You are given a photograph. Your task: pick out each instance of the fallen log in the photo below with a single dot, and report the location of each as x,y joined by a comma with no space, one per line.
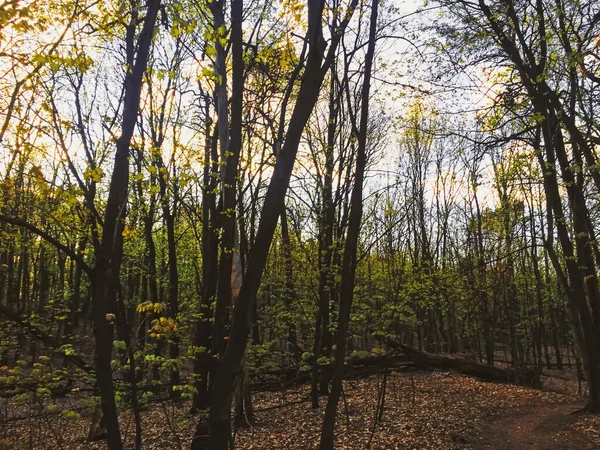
277,379
373,364
379,360
522,376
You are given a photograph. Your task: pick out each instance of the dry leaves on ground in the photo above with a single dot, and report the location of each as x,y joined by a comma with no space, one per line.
423,410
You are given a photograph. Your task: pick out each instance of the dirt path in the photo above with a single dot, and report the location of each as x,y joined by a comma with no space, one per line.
539,427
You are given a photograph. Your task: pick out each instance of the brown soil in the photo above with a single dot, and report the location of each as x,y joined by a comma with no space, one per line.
547,427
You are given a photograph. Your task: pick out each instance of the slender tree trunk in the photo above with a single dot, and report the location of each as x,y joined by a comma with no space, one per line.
326,279
169,218
351,245
290,290
104,302
202,332
229,167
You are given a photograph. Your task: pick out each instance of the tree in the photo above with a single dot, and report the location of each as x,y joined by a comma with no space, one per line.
317,65
105,279
351,244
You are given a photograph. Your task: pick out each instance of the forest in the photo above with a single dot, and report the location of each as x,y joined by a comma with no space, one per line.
289,224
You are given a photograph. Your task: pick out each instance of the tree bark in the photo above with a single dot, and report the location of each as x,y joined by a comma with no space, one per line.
202,333
351,245
104,304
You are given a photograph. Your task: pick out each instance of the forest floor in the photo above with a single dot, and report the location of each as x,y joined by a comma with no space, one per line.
423,410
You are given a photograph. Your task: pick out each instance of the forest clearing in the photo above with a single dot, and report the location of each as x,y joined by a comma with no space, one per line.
299,224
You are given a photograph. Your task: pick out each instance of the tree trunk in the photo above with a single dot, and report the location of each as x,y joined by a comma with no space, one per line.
290,290
351,245
104,304
202,360
326,280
